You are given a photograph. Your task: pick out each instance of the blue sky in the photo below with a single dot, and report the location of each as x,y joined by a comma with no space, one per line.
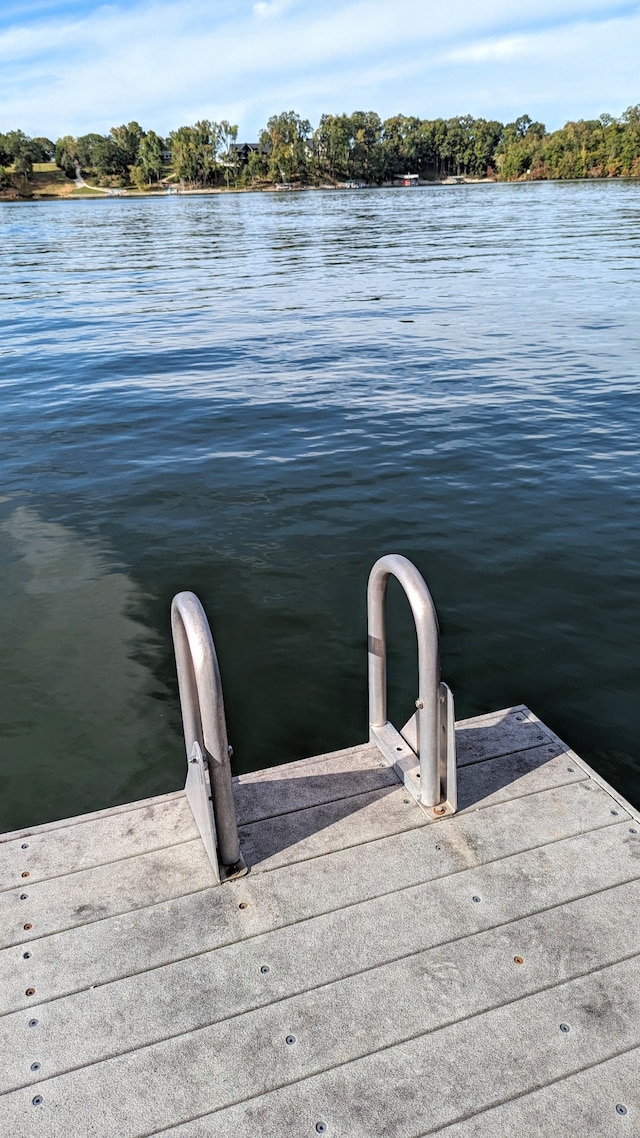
71,67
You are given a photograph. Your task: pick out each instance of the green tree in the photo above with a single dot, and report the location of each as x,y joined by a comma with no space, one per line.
194,152
332,146
108,157
43,150
150,156
366,158
128,139
287,141
228,134
66,155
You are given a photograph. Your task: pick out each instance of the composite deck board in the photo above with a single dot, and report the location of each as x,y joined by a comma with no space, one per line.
392,945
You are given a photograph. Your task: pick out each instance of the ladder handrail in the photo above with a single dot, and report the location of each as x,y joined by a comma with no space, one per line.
203,716
428,713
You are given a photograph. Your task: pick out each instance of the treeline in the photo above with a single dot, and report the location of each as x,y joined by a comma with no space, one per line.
358,147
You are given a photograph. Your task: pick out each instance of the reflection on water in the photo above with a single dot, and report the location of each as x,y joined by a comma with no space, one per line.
77,684
254,396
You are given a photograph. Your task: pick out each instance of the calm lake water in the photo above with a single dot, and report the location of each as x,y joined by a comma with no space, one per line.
254,396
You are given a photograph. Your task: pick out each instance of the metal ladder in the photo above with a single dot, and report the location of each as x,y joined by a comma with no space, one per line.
422,753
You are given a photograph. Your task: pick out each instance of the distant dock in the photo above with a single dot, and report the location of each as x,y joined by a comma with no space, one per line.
380,971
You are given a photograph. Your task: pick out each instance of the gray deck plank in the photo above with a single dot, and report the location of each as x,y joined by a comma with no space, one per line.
582,1105
102,950
311,782
115,887
352,1039
392,943
499,733
101,1022
97,841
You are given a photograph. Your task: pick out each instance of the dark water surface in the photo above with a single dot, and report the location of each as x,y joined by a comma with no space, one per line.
254,396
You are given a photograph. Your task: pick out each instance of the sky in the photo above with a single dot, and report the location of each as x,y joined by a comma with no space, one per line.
69,67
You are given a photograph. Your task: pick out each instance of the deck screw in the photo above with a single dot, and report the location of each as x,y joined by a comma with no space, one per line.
290,1040
30,992
23,896
419,704
406,801
565,1028
439,810
476,899
243,905
33,1023
438,847
570,770
26,955
620,1109
265,968
25,873
615,813
35,1066
24,846
230,750
27,926
37,1100
632,831
321,1127
518,960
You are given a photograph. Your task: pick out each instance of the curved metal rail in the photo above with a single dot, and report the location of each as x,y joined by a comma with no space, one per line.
423,752
208,784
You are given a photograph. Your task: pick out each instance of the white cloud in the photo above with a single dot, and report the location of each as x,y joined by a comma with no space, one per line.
264,10
490,51
166,64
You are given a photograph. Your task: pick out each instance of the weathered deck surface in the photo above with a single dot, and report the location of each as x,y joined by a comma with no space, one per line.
375,974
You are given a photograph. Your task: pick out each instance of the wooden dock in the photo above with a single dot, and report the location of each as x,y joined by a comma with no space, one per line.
376,973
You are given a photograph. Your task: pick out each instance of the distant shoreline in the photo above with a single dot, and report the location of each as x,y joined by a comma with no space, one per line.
99,194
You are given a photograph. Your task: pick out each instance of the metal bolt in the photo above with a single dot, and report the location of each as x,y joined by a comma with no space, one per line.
321,1127
35,1066
36,1100
398,748
632,831
438,847
27,926
518,960
24,846
243,905
406,801
26,955
290,1040
476,899
620,1109
25,873
565,1028
439,810
419,704
230,750
30,992
615,813
265,968
23,896
570,770
33,1023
